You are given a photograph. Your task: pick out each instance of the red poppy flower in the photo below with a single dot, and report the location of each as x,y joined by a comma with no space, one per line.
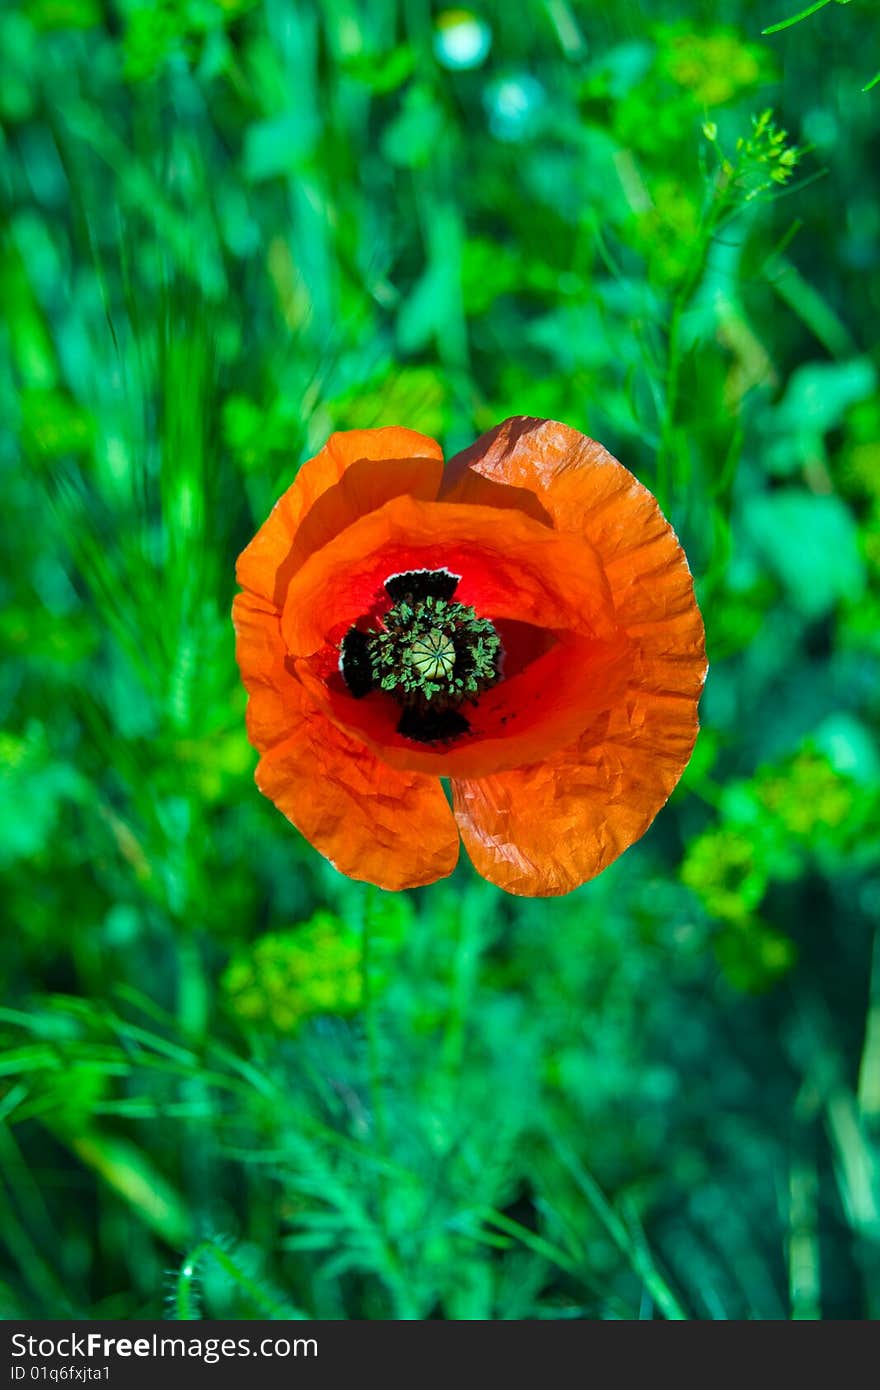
521,622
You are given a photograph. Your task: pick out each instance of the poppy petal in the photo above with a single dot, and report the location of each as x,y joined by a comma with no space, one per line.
322,500
365,508
272,711
588,492
468,486
373,823
545,828
389,827
521,570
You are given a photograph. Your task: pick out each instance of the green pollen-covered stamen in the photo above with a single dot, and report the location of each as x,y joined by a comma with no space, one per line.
434,652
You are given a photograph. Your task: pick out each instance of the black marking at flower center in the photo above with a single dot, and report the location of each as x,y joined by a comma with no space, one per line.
432,725
421,584
354,662
431,654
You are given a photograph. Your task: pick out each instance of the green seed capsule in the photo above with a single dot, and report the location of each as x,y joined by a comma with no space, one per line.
433,655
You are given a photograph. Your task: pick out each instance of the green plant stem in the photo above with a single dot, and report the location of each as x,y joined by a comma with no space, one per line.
464,967
796,18
395,1278
371,1027
629,1239
667,473
185,1299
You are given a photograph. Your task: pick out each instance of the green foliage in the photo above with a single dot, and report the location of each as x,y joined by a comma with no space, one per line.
805,14
235,1278
230,228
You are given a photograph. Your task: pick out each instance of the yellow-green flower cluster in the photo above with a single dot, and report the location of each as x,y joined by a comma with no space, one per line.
726,870
800,807
690,75
714,67
723,870
762,158
287,976
806,795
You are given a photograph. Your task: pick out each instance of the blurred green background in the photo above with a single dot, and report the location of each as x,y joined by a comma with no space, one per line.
231,226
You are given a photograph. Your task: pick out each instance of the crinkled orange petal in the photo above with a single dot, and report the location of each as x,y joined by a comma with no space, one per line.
466,486
547,827
516,721
521,570
515,568
274,707
356,471
372,821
